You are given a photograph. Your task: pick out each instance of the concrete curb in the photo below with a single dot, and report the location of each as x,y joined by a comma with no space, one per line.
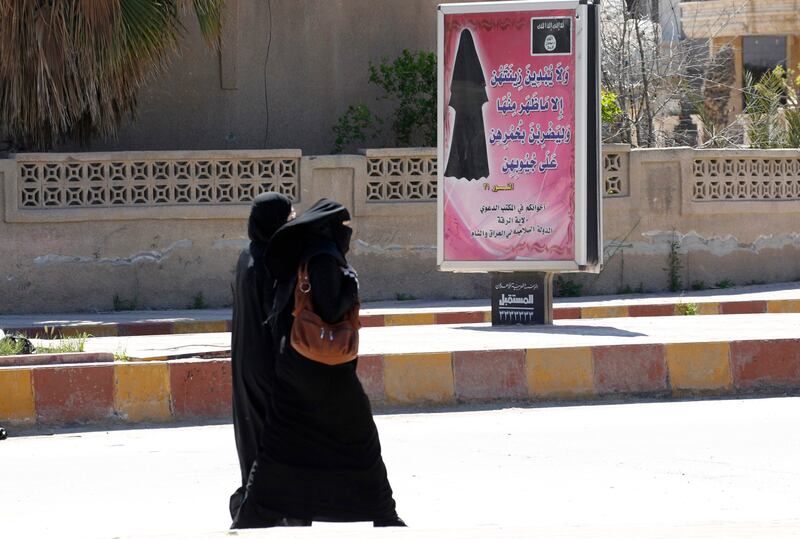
163,391
428,317
53,359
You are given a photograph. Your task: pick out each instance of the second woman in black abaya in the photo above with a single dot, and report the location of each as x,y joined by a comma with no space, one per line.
252,355
320,456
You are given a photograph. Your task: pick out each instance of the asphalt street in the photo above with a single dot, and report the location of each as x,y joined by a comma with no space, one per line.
577,471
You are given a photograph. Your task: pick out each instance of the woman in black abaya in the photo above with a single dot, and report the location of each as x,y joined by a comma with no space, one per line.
320,456
252,353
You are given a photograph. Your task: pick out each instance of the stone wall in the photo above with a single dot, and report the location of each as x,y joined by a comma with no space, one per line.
157,229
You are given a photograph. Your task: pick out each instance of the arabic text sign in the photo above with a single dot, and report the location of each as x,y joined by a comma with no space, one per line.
520,298
508,136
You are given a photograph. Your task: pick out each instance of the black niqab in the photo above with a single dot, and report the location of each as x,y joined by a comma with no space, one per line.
322,223
468,157
267,214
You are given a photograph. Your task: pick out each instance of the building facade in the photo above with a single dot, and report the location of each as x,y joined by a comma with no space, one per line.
762,33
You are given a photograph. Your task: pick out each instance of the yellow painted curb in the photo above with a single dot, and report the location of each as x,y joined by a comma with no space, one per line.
707,308
99,330
197,326
783,306
699,366
620,311
487,316
418,378
16,396
142,392
559,372
410,319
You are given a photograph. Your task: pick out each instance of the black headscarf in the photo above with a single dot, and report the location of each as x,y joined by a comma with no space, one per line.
268,213
321,224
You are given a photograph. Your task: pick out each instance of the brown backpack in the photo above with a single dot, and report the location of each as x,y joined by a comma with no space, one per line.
315,339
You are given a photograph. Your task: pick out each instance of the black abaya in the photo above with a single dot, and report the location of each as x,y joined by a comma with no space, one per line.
252,352
320,455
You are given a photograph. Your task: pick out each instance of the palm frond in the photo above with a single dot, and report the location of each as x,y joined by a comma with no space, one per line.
74,67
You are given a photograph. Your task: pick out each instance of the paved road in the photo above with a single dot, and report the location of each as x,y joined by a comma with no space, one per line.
583,471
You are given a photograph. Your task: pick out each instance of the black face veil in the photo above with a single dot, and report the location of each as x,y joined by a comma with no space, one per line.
467,95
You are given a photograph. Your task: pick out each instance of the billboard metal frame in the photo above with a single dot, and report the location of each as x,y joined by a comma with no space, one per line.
587,258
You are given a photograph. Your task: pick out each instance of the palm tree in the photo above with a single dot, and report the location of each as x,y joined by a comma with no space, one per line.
72,68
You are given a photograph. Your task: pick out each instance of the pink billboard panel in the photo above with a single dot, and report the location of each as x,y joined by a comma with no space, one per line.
507,146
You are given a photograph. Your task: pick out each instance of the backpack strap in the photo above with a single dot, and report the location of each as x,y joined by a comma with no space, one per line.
302,290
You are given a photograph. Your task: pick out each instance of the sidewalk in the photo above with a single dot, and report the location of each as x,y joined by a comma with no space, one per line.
774,298
573,360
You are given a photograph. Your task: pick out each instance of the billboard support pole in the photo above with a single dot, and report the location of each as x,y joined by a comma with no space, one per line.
522,298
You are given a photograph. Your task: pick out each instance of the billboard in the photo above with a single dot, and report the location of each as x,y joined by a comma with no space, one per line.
518,151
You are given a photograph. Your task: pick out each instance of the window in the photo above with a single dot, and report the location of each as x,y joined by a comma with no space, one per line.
762,53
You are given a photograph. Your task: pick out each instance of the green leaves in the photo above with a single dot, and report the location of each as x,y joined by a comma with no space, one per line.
610,110
409,81
356,125
773,111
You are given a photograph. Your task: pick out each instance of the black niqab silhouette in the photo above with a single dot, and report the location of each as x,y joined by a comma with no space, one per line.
468,157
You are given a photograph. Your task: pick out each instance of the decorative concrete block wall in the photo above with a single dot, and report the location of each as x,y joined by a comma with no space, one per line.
158,229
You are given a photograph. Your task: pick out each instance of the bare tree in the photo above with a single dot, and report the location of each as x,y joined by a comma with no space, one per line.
653,78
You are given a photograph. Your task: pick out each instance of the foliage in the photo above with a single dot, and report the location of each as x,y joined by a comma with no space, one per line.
73,68
610,110
773,111
55,344
698,285
674,266
11,346
121,354
687,309
724,283
402,296
356,125
409,81
199,302
567,288
124,304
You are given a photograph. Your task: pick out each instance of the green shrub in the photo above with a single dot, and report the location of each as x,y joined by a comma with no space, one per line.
567,288
409,81
124,304
11,347
773,111
674,266
199,302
